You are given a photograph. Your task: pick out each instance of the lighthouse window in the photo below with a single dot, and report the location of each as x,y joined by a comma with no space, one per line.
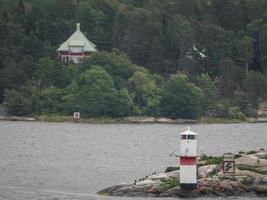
190,137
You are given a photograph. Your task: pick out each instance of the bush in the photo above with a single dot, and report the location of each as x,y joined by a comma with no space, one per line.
235,113
251,152
17,104
97,95
223,109
170,169
171,183
252,169
181,98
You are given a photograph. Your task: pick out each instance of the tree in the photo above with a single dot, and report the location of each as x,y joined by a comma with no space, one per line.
98,97
246,52
217,45
181,99
50,73
255,85
48,101
17,104
146,92
143,47
116,63
210,91
178,41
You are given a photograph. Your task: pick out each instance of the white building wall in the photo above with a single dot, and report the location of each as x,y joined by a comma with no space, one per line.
188,174
76,49
188,148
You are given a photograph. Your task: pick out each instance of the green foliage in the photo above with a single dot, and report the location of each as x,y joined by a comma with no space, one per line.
210,92
116,63
97,95
146,92
220,45
210,160
171,183
17,104
181,99
48,100
224,109
252,169
251,152
170,169
255,85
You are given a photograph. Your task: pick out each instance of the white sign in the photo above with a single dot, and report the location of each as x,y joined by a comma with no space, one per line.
228,167
76,115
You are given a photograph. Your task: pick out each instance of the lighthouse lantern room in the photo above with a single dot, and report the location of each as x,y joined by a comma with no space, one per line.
188,160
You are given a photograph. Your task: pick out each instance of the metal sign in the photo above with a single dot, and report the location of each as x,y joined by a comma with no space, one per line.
76,115
228,167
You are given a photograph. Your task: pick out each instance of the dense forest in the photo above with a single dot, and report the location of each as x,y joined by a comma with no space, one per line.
172,58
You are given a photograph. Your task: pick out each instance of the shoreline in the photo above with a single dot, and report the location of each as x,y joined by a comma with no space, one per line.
132,120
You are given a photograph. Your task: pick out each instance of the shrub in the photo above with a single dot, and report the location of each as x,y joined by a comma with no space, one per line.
181,98
251,152
171,183
170,169
17,104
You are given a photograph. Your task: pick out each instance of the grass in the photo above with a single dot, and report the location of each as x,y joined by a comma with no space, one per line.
170,169
103,193
210,160
171,183
251,152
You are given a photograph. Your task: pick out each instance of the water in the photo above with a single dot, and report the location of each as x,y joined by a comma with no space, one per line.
63,161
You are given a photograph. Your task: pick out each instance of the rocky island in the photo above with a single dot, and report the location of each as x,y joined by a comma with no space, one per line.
249,179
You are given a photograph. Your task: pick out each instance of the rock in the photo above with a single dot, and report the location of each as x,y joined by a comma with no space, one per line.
140,119
261,154
173,192
174,174
165,176
146,182
157,189
264,180
205,190
186,121
247,160
166,194
204,171
260,190
158,177
165,120
225,185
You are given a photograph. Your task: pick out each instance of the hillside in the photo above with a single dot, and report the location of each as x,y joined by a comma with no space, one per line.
171,58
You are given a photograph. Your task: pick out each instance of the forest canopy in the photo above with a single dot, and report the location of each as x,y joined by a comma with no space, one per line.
173,58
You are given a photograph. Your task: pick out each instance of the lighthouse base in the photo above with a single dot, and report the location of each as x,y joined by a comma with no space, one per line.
188,186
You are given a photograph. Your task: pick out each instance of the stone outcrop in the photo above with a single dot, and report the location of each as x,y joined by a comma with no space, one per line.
250,179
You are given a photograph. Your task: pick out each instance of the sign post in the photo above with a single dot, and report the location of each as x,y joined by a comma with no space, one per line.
229,164
76,116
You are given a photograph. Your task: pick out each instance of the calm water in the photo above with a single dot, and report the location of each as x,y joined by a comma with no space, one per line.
73,161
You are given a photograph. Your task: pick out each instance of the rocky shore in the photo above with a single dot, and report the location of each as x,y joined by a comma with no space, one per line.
250,179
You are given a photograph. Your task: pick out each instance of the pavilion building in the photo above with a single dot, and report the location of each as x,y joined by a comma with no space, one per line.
76,48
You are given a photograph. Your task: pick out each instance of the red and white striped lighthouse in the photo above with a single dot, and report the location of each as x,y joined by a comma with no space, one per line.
188,160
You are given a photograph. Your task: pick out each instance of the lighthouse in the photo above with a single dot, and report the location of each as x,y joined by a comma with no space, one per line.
188,160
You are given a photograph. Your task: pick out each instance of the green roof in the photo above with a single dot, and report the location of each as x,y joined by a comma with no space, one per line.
78,39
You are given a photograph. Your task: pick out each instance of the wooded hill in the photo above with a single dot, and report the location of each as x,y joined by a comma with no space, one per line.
174,58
